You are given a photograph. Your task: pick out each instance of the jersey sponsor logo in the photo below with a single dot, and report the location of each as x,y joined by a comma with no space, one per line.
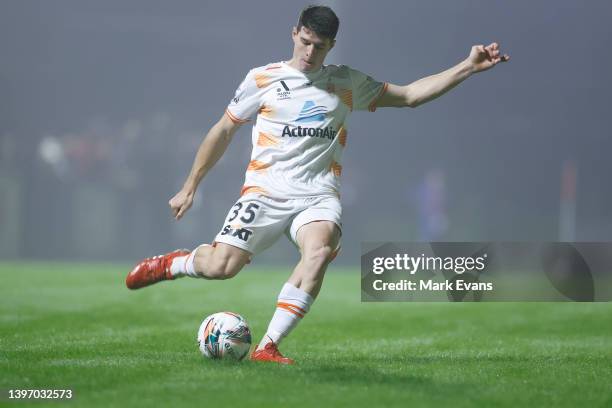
324,133
240,233
311,113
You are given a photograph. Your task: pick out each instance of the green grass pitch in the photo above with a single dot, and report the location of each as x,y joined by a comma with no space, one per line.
76,326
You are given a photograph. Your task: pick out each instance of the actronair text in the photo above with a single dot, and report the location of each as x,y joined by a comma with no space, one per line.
326,133
413,264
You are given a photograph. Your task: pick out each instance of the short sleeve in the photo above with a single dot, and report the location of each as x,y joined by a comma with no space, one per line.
366,90
246,101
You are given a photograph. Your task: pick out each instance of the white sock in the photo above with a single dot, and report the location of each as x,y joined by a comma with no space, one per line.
293,304
183,265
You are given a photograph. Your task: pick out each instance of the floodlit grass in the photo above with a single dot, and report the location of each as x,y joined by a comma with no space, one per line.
76,326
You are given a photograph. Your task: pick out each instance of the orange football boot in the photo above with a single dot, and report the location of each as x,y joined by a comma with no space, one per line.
153,270
271,354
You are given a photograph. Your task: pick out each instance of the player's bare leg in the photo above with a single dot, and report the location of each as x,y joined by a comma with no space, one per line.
223,261
317,242
220,262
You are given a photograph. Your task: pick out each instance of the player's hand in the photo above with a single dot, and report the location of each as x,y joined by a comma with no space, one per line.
180,203
482,58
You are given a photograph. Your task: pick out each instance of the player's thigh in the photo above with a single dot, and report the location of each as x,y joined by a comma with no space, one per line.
318,225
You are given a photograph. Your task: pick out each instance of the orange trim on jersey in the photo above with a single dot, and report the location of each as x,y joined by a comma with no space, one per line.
335,168
296,310
252,189
274,67
346,96
372,106
342,136
262,80
266,140
266,111
256,165
234,118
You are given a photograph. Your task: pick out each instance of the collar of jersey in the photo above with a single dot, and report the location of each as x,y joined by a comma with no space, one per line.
309,75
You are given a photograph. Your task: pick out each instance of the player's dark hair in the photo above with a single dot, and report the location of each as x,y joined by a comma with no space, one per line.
320,19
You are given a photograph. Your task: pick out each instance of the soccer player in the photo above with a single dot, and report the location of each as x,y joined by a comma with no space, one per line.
292,181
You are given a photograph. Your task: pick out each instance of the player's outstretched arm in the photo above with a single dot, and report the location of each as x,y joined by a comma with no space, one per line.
211,149
426,89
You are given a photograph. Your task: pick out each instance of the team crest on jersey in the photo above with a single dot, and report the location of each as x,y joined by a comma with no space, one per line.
311,113
283,93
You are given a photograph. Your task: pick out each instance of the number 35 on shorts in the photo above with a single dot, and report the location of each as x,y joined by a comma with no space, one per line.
240,216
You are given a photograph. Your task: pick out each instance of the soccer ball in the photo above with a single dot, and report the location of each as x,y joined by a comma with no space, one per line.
224,335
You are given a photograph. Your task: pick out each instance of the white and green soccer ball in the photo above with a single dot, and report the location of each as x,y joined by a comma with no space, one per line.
224,335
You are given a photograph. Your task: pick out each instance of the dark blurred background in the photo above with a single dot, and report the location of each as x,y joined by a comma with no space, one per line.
103,105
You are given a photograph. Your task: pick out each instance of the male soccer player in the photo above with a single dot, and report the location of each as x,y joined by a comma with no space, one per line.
292,181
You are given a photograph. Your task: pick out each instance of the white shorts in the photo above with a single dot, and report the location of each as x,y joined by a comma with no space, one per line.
256,222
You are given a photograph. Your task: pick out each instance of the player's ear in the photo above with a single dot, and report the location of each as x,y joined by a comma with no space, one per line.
294,32
331,45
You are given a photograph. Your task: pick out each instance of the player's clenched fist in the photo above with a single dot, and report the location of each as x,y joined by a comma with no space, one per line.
483,58
180,203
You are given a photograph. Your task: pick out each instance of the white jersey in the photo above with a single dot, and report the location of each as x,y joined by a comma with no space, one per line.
301,126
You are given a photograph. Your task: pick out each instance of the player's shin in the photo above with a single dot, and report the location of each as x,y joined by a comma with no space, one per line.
293,303
184,265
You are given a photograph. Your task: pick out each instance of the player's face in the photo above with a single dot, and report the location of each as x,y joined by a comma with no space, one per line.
309,50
